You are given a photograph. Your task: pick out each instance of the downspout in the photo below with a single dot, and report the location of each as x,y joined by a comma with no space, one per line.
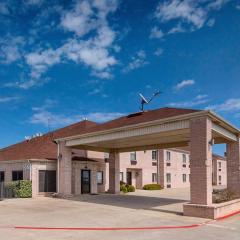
158,170
30,170
58,159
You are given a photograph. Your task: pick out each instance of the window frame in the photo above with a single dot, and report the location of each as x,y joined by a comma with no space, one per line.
154,177
168,156
102,177
168,180
135,156
17,172
154,155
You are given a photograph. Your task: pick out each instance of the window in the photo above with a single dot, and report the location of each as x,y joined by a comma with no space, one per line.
154,177
106,156
133,156
168,156
47,180
219,164
154,164
100,177
168,177
220,179
184,158
184,176
2,176
154,155
17,175
121,176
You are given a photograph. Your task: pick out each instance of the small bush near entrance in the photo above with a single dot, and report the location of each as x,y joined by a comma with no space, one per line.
130,188
20,189
152,187
125,188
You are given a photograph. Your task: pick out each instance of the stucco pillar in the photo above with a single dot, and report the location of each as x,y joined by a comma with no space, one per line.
233,167
201,161
114,172
65,169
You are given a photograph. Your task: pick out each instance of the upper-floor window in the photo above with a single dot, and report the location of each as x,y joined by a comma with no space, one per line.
184,158
133,156
154,155
219,164
106,155
168,156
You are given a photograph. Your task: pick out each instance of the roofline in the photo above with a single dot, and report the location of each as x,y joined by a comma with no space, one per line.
200,113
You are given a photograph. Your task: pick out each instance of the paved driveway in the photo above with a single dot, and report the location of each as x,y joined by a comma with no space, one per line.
141,209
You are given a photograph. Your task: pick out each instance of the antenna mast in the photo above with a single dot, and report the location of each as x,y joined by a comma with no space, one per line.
145,101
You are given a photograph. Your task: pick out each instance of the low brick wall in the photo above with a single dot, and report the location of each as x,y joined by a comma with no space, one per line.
213,211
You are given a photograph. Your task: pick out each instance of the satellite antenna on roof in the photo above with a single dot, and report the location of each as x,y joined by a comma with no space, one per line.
145,101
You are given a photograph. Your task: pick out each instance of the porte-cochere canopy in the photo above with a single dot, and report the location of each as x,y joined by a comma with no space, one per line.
163,128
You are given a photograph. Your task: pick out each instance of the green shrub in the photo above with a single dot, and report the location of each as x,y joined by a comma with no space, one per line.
25,189
123,189
152,187
223,195
130,188
20,189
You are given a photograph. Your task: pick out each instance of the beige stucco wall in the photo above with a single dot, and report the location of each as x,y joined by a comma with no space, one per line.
176,168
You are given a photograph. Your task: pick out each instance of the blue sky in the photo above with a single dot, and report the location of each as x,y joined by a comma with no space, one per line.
62,61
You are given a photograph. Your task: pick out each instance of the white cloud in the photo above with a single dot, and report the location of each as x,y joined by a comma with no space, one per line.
47,118
184,83
238,7
211,22
232,104
158,52
217,4
94,51
198,100
201,96
177,29
11,49
8,99
156,33
186,10
136,62
79,19
193,14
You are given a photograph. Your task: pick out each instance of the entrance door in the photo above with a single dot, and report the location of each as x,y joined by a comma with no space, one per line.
129,178
85,181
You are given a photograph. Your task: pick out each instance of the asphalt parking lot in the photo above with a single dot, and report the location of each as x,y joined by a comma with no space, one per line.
74,218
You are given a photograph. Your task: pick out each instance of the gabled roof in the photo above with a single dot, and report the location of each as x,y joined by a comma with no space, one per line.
42,147
140,117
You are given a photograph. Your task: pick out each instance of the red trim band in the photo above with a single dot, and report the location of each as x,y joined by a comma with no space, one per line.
108,229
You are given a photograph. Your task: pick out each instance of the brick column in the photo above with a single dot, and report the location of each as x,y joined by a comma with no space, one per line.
233,167
201,161
65,169
161,168
114,172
